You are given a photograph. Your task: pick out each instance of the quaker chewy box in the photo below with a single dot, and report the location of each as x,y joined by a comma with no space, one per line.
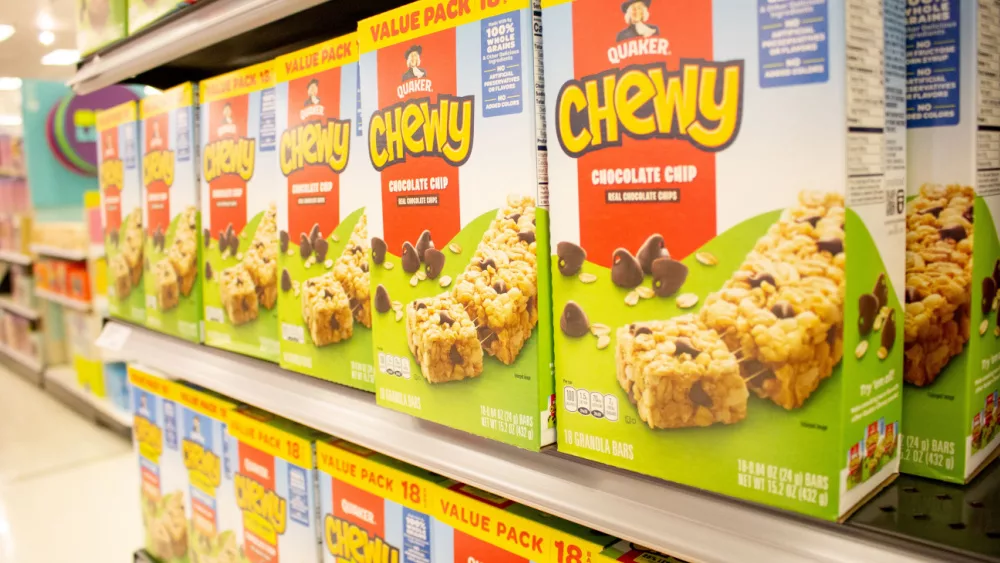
706,179
166,505
459,232
169,142
474,525
952,252
121,209
209,458
239,210
324,307
99,22
275,487
374,508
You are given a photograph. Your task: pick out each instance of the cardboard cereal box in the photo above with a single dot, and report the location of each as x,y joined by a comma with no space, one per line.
623,550
120,179
459,229
952,252
169,142
99,22
275,485
166,504
706,178
373,508
324,308
209,457
239,173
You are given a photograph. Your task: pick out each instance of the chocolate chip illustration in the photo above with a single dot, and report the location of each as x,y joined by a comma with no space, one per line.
486,335
996,273
532,303
762,278
320,247
625,269
832,245
286,281
207,236
378,250
420,305
434,262
526,236
935,211
208,270
334,323
683,346
410,260
698,396
364,267
382,302
650,250
968,213
881,291
955,233
455,356
487,263
783,310
283,241
514,217
867,311
314,234
445,319
574,322
668,276
570,257
637,330
912,295
327,294
500,287
811,220
423,243
305,247
989,293
889,330
223,241
229,230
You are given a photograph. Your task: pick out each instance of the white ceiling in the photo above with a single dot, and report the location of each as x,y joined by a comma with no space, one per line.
21,54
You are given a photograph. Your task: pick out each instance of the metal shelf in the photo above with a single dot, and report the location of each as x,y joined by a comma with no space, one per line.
12,257
674,519
62,253
18,309
62,299
61,381
26,366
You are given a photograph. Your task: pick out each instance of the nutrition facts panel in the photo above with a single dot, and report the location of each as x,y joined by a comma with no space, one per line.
865,102
988,67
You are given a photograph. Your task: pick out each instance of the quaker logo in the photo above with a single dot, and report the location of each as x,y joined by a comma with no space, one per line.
415,78
636,21
156,140
640,37
227,127
312,108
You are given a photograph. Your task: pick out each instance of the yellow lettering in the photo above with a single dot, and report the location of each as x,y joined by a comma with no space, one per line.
315,143
150,438
229,156
158,166
421,128
203,465
112,173
347,541
648,101
253,498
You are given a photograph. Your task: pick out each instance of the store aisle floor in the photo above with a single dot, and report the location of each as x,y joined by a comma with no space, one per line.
69,489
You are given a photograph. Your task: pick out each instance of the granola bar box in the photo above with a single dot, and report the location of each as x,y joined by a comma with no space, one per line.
374,508
120,179
275,487
163,477
952,333
324,309
239,209
727,238
458,217
209,458
168,140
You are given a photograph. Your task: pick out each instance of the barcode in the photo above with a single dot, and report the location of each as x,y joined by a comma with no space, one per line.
895,202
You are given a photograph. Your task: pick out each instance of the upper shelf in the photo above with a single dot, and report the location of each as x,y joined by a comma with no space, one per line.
217,36
673,519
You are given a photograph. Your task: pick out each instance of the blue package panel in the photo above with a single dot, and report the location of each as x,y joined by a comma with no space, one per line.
793,40
932,63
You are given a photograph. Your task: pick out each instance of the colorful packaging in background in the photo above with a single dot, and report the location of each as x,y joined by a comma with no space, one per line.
275,487
171,214
116,384
144,12
239,172
952,250
209,458
372,500
324,309
627,551
459,229
120,180
166,505
699,277
99,22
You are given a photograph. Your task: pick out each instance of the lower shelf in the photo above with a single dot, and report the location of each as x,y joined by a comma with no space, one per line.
62,381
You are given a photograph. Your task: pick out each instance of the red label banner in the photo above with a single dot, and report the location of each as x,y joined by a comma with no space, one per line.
157,172
469,549
110,189
227,121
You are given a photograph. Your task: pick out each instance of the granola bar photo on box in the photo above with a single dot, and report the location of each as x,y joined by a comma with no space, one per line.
952,334
727,243
324,304
120,179
239,240
458,219
169,146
